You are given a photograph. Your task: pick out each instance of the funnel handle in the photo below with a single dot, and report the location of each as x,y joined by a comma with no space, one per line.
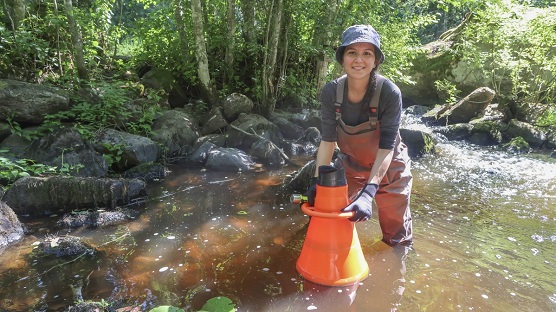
309,210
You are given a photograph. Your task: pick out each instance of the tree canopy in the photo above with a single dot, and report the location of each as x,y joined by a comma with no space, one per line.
274,51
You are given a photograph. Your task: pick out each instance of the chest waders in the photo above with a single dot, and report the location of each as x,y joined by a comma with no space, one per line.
358,149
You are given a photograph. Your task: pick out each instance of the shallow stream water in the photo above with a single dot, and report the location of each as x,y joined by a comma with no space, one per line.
484,231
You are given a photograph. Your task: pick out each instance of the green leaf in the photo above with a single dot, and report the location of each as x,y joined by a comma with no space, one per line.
219,304
166,309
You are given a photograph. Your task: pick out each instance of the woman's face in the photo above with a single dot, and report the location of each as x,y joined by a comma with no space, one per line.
359,60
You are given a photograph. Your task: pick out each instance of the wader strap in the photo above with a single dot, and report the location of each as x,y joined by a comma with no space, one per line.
373,107
340,96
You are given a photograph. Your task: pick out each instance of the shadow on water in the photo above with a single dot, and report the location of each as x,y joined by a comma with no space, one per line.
484,226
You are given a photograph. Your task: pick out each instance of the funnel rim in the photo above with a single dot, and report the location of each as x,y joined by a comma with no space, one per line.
328,215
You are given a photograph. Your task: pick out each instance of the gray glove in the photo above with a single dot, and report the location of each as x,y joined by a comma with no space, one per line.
362,205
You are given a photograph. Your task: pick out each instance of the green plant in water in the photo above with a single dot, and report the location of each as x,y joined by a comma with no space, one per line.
216,304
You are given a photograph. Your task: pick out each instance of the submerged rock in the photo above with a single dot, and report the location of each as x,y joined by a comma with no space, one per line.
96,218
64,246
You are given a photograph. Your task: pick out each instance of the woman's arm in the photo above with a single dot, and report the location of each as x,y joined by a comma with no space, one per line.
380,166
324,154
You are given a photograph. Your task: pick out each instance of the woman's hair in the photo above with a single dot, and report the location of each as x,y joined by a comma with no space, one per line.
372,81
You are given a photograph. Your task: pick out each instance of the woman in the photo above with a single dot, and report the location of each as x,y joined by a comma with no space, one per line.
361,112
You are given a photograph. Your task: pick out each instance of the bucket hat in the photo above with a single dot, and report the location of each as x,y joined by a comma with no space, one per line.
359,33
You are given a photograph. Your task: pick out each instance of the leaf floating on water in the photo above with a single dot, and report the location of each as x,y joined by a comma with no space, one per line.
167,309
219,304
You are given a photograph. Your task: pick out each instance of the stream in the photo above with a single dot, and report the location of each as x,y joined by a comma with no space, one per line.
484,240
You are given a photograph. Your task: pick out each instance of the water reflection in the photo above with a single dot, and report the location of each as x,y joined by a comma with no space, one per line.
485,234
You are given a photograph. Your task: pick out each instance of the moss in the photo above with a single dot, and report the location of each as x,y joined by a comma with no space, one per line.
517,145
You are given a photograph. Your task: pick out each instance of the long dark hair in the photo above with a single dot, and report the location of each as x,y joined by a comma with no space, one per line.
372,81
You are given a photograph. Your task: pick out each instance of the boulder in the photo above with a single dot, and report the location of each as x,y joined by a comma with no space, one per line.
229,159
65,149
176,131
236,104
135,149
11,229
248,129
535,136
29,102
45,195
464,110
214,121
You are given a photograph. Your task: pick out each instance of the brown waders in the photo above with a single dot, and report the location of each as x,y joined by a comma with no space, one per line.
358,148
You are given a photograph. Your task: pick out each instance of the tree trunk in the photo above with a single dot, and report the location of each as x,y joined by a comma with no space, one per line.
248,10
249,63
268,100
14,13
180,24
230,42
323,41
201,53
77,42
58,52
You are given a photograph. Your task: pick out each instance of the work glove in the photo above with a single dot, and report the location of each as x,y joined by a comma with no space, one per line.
312,191
362,205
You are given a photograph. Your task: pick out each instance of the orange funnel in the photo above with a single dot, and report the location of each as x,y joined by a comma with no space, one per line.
331,254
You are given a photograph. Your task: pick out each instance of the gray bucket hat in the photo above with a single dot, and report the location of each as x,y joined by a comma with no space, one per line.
359,33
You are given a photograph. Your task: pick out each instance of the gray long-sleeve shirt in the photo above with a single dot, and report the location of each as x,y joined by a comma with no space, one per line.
389,112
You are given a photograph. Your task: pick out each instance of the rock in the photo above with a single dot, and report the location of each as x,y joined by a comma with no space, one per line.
236,104
267,153
214,121
147,172
135,149
201,154
11,229
289,129
30,103
65,149
43,196
96,218
64,246
418,142
176,131
229,159
464,110
248,129
531,134
307,118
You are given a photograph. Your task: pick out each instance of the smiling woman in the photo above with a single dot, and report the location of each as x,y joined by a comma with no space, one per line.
361,113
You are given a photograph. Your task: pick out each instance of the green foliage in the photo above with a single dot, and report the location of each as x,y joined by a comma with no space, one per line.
12,169
216,304
517,145
113,109
114,155
219,304
166,309
448,90
548,118
512,47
